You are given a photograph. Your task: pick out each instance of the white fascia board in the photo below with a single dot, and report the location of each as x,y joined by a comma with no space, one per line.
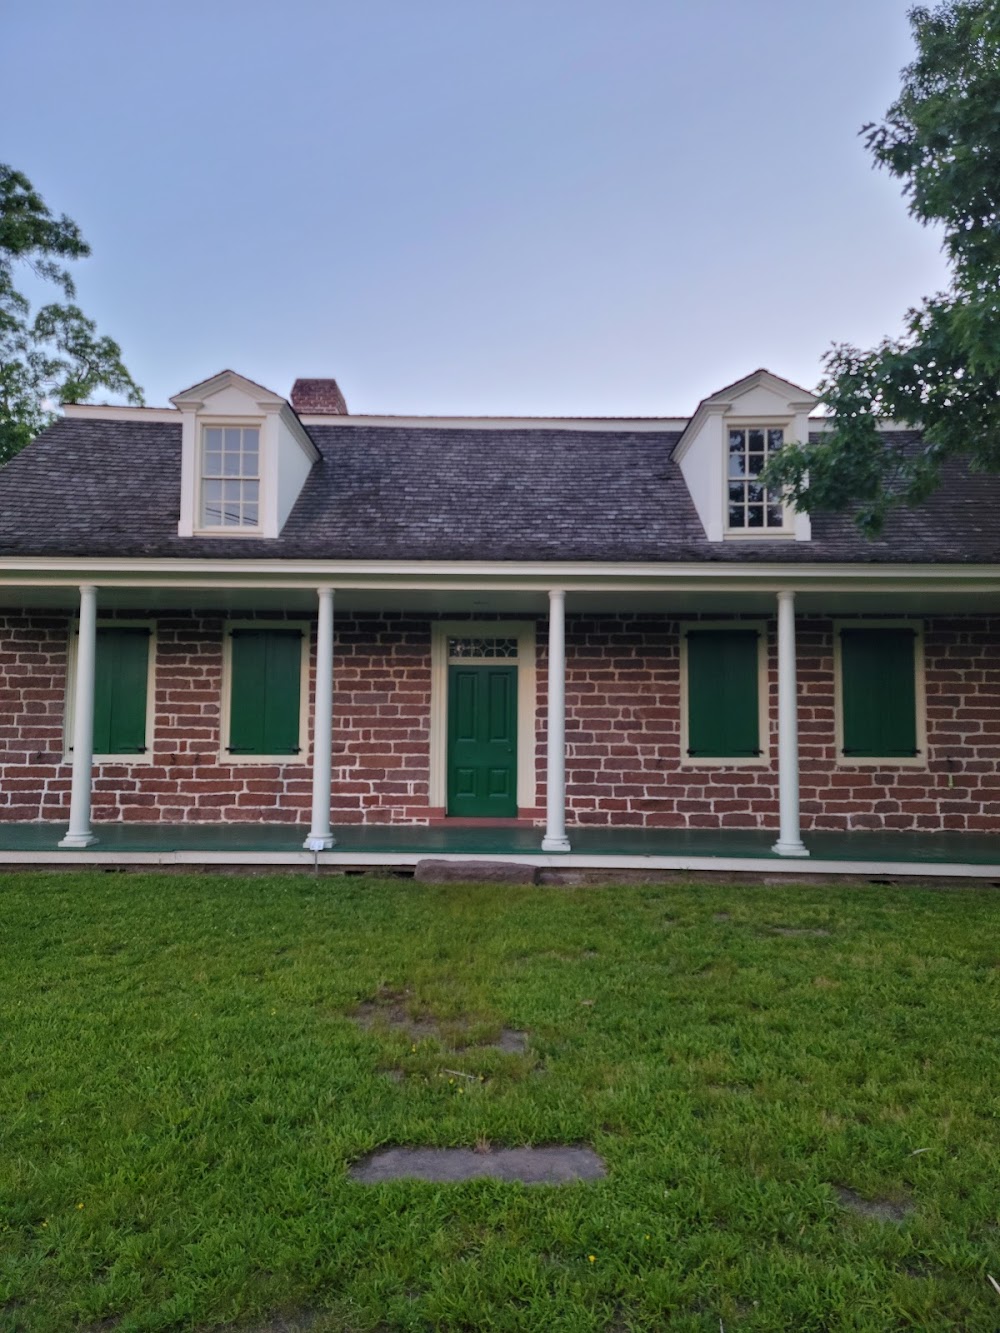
107,412
298,432
628,425
22,571
197,393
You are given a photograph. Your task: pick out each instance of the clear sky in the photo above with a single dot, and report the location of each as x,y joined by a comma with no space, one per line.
607,207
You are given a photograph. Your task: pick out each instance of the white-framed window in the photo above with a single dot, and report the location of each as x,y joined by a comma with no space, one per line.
229,477
724,720
751,508
265,692
124,691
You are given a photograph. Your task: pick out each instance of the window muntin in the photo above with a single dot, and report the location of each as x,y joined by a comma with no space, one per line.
230,477
751,506
481,646
723,694
878,693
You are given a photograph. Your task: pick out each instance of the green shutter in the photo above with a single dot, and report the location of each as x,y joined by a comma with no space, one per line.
879,693
121,673
264,691
723,700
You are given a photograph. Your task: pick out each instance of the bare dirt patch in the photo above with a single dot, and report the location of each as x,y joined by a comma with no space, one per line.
879,1210
556,1164
390,1009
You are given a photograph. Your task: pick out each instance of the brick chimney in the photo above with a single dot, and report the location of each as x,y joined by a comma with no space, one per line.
318,398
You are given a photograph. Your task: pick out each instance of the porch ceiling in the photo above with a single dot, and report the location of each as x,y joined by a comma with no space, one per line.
876,595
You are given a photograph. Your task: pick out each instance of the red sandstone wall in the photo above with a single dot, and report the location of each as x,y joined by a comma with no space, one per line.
623,733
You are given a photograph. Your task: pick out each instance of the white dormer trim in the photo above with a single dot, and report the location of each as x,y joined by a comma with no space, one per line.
761,399
286,451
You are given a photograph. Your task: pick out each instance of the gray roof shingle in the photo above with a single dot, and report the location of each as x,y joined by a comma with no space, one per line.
88,487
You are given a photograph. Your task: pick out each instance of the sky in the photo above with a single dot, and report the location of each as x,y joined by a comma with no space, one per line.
526,207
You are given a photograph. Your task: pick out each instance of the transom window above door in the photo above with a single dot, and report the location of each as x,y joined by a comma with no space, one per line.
462,649
752,507
230,477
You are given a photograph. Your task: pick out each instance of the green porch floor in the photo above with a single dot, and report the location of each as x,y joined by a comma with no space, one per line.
375,839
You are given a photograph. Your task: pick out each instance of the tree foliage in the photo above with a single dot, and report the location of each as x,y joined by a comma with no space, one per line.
941,139
52,354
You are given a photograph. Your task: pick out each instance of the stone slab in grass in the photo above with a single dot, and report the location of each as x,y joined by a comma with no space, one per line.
879,1210
552,1165
431,871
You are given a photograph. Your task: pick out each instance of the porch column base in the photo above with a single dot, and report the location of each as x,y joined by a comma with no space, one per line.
555,844
78,840
790,848
323,844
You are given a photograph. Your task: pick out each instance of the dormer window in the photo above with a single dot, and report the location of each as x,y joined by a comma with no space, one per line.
230,477
752,507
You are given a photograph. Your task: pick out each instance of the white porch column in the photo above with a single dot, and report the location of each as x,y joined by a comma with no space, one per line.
790,838
320,836
555,839
80,833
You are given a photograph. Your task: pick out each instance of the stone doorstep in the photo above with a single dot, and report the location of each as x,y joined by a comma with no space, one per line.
431,871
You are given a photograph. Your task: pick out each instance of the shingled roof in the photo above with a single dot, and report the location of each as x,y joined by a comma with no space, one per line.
93,487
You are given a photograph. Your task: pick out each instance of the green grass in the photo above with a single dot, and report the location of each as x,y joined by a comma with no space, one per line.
182,1090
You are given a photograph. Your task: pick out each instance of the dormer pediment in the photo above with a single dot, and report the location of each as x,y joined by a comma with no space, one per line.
718,449
245,457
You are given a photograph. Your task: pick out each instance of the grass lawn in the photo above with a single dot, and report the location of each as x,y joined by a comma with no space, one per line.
182,1089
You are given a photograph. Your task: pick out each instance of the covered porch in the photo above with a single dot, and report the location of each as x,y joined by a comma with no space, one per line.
557,821
864,853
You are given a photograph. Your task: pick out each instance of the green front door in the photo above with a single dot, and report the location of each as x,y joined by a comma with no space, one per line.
482,741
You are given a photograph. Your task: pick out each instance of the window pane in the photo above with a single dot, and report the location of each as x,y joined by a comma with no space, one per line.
736,494
251,437
232,465
250,489
213,439
775,439
755,440
736,516
735,441
250,463
755,516
233,434
755,465
737,465
775,516
250,515
213,464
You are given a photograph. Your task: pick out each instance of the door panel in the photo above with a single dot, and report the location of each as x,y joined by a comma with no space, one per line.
482,741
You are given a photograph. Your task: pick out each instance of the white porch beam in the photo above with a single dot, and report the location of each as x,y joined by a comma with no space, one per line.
80,834
790,836
555,839
320,835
